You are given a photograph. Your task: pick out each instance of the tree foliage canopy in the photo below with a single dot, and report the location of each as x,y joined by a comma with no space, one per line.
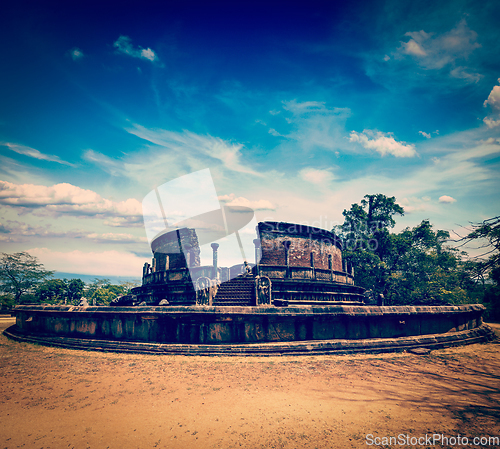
415,266
20,273
486,266
22,276
59,290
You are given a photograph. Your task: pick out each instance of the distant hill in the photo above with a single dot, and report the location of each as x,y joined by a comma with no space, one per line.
88,278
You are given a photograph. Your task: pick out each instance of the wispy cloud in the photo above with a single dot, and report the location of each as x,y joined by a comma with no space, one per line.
233,200
315,176
66,199
113,166
107,263
316,126
448,52
17,231
76,54
383,143
426,135
435,51
188,148
124,45
31,152
313,108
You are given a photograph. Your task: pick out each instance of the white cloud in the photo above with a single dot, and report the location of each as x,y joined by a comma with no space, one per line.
105,263
148,54
426,135
447,199
491,123
383,143
226,198
65,198
76,54
124,45
315,176
275,133
31,152
465,74
493,101
436,51
111,237
125,222
412,48
232,200
16,231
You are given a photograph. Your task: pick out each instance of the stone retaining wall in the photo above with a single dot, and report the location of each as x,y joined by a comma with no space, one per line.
225,325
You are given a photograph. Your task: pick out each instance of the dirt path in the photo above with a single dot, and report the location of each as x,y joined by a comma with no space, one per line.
58,398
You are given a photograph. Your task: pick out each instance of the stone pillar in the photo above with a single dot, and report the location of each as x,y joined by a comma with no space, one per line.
215,246
330,266
312,265
153,266
256,242
286,244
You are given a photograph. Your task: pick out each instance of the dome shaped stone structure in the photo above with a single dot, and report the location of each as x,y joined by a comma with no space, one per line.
301,264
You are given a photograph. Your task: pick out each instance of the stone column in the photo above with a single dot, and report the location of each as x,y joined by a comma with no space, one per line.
215,246
330,266
256,242
286,244
312,266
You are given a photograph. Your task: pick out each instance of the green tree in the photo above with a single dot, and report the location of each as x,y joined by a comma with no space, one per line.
485,267
51,291
74,290
424,270
367,241
102,292
415,266
20,273
366,225
129,285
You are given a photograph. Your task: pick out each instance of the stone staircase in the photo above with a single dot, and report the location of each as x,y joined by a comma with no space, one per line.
239,291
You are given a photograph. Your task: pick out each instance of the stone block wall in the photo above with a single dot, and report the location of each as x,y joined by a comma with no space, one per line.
176,249
306,246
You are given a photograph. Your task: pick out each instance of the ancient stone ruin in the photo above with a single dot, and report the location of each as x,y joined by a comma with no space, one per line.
294,264
298,297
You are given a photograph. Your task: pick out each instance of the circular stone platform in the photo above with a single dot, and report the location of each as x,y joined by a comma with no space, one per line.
264,330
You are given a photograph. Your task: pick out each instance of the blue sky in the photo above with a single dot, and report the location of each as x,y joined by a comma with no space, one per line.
299,109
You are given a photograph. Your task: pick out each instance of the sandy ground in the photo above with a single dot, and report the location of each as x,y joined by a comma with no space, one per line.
58,398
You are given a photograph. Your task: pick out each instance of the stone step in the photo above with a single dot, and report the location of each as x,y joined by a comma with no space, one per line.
237,291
